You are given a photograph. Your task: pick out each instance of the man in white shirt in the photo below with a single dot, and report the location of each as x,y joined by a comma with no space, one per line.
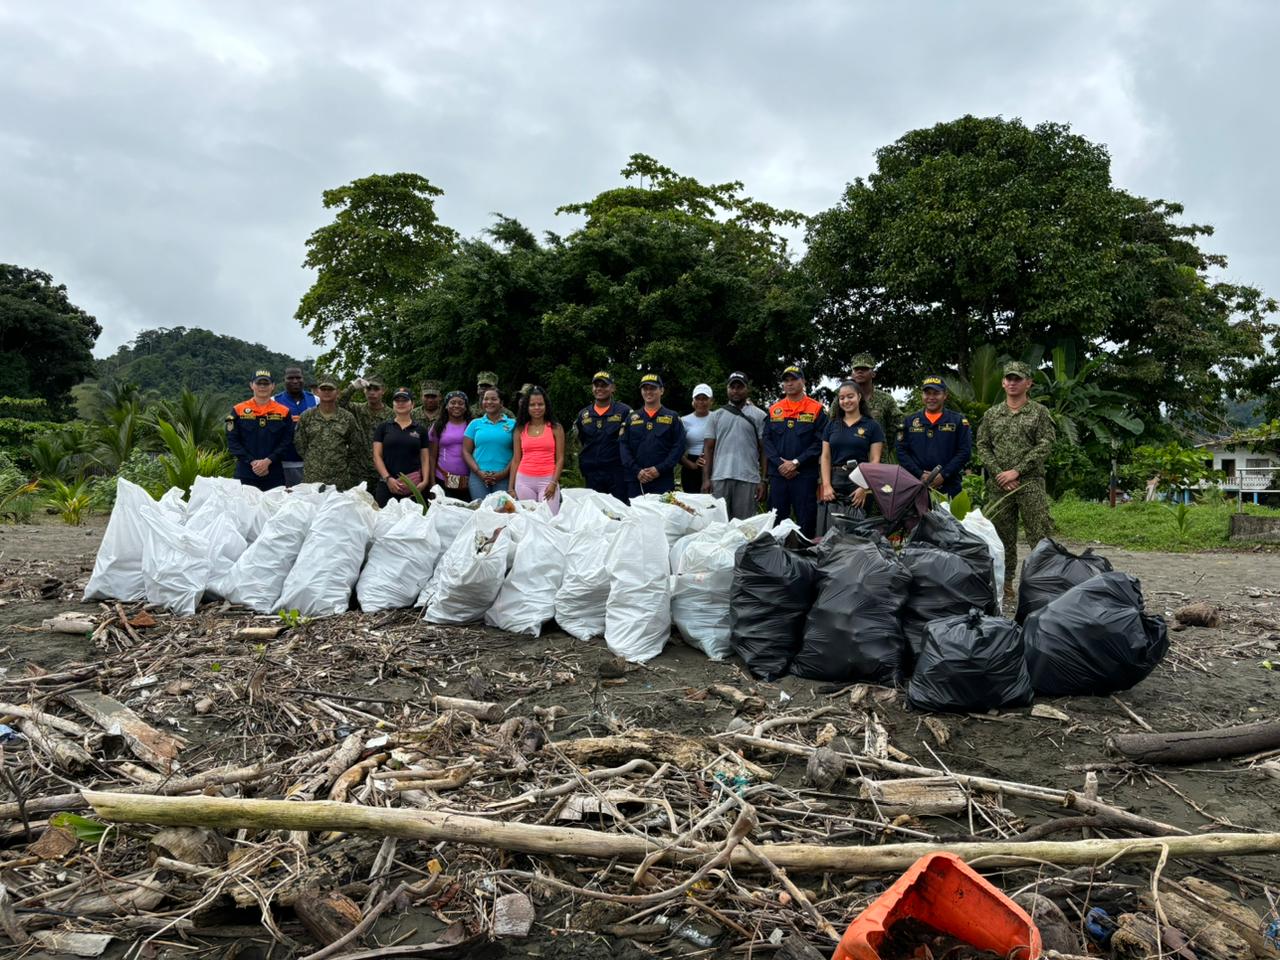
733,452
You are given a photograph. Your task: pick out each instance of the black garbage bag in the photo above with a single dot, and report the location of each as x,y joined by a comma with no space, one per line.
943,584
970,663
853,631
938,528
1051,571
1094,639
773,588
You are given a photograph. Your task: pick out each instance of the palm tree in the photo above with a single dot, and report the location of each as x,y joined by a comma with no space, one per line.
200,418
1080,407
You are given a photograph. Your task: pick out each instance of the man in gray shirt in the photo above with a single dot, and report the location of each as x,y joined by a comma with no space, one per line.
734,451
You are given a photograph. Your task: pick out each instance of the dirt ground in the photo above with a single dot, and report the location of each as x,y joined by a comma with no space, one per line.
1211,677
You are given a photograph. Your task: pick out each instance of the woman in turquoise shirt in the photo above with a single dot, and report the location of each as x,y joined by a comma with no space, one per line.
486,446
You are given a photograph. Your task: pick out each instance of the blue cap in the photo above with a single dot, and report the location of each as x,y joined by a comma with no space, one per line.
651,378
933,383
793,371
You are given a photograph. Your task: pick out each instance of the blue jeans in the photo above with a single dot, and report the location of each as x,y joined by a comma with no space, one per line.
479,490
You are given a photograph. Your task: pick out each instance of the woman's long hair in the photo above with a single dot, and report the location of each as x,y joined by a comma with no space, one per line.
522,418
863,409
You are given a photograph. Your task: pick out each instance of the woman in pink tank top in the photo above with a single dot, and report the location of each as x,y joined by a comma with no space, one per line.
537,456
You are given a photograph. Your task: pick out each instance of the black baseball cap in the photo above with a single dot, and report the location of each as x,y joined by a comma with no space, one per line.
933,383
793,371
402,393
651,380
263,376
602,376
738,375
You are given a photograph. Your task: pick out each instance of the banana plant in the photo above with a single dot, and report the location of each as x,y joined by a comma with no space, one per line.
1080,407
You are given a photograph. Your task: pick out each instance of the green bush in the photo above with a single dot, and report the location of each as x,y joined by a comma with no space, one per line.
17,435
24,408
144,469
17,501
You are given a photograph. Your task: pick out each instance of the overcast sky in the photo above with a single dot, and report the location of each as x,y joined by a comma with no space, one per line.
165,160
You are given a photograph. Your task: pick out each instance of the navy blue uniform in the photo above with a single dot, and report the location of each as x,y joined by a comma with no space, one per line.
655,440
257,431
851,442
948,444
794,432
599,458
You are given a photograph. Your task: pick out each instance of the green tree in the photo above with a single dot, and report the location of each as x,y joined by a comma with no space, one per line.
982,230
46,341
384,247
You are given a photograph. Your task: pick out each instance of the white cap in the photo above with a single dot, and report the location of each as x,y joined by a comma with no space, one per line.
702,390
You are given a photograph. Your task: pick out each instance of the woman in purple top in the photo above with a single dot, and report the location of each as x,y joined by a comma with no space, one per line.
447,463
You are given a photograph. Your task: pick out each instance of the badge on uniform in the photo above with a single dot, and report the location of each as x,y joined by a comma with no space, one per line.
231,425
862,431
262,421
599,424
648,426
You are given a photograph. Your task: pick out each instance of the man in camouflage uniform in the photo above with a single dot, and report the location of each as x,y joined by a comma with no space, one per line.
880,403
1014,440
368,415
429,410
485,380
329,439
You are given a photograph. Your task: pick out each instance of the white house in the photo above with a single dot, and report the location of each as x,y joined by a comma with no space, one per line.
1245,470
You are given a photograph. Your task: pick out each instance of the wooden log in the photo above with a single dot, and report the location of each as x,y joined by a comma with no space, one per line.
1027,791
488,712
659,746
1218,903
1193,746
137,893
28,712
742,702
225,813
67,754
1207,934
148,744
260,633
69,623
328,917
918,797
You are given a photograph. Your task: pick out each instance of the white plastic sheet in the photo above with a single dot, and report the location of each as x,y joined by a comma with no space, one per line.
400,563
527,599
175,563
117,570
638,615
471,572
256,579
320,580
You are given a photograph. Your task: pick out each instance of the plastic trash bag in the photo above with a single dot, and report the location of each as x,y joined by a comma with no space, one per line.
681,513
939,528
702,581
979,525
971,663
527,599
224,488
1050,571
117,570
256,579
773,588
175,563
173,505
1094,639
853,631
637,620
320,581
943,584
583,595
400,562
471,572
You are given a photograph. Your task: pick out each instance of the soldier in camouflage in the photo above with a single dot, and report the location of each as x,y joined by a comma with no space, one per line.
1014,440
368,415
430,409
880,403
486,380
329,439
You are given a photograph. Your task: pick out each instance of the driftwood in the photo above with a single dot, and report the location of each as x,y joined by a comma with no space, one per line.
69,623
573,841
148,744
920,797
67,754
1218,904
1193,746
488,712
1207,934
328,917
260,633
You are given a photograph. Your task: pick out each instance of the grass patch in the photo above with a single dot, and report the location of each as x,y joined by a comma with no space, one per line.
1150,526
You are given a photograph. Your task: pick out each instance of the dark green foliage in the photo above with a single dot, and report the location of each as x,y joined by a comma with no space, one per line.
160,364
46,341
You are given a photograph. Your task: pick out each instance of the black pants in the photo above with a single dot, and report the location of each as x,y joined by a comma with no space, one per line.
690,480
382,495
609,480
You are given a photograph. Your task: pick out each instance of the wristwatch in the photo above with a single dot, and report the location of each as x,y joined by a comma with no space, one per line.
795,463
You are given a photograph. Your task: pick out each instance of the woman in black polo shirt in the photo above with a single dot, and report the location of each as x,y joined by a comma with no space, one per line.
852,437
400,447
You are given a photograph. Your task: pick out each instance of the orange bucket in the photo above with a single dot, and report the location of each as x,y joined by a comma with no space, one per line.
943,891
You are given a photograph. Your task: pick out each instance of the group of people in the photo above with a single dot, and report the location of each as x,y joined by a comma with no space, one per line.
795,454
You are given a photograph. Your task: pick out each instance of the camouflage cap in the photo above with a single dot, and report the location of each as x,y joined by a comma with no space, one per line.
374,380
487,377
325,379
431,386
862,360
1016,368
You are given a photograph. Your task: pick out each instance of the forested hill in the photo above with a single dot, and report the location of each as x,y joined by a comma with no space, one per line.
166,360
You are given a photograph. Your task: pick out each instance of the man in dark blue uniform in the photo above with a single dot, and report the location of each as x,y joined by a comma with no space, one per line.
598,426
259,431
936,437
793,449
651,442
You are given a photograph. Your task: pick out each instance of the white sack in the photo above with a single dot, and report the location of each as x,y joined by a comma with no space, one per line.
256,579
527,599
471,571
175,563
584,590
226,546
117,571
328,565
698,510
399,565
172,504
205,488
638,616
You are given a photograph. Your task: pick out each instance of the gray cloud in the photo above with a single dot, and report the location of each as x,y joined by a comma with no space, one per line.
166,161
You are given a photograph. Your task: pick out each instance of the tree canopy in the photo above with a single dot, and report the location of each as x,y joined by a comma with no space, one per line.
46,341
984,231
